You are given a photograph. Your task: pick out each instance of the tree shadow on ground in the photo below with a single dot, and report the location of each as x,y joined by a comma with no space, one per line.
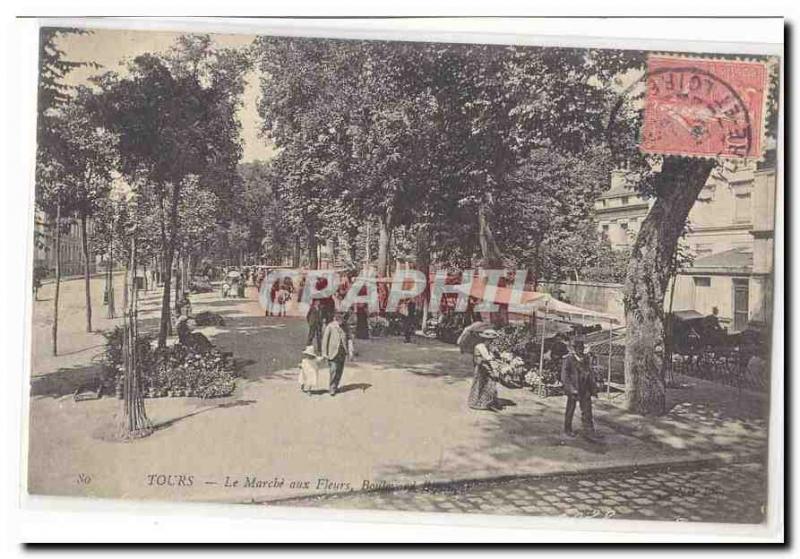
527,435
173,421
67,380
263,347
698,421
362,386
431,359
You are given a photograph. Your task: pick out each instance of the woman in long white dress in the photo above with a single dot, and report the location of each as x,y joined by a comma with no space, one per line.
309,371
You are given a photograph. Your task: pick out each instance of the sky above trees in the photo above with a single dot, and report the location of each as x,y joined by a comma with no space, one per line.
110,48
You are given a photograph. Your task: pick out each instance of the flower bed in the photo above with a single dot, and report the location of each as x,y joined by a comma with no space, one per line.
173,371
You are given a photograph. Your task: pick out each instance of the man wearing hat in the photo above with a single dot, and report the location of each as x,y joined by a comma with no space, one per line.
579,386
334,349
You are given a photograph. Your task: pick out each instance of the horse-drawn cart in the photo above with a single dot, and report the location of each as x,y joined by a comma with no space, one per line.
702,348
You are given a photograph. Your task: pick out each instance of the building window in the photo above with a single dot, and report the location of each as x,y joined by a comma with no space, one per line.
605,227
702,295
624,201
624,226
742,207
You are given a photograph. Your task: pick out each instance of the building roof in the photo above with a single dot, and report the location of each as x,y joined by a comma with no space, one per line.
616,191
735,260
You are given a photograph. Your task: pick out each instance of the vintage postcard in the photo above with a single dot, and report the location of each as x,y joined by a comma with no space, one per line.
474,277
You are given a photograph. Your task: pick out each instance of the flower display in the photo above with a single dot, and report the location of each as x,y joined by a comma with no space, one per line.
173,371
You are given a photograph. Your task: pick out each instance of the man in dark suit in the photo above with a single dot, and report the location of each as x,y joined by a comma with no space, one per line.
334,349
579,386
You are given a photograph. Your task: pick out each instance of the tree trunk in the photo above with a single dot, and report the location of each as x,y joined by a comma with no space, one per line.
311,245
492,259
352,247
423,250
178,281
367,255
168,240
58,278
296,250
86,273
136,422
677,187
110,279
384,240
125,290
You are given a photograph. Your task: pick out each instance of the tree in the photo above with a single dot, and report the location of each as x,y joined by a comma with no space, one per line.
351,127
344,114
602,262
674,182
52,153
175,117
86,172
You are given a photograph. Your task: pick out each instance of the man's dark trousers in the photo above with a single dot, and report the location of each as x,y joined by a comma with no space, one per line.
587,420
337,369
314,330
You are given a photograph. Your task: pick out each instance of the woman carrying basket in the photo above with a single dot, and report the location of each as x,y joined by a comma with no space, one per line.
483,395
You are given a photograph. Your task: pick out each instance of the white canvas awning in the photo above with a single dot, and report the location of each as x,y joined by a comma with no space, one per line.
533,300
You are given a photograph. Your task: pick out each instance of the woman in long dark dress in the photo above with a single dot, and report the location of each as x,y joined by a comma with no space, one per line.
483,394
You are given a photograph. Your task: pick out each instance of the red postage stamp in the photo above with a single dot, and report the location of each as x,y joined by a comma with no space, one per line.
704,108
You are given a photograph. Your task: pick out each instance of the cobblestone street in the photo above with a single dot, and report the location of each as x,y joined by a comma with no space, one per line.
731,494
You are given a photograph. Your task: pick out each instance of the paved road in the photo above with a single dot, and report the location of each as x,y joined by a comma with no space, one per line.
732,494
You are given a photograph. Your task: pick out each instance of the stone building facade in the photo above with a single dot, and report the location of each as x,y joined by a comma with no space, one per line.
730,235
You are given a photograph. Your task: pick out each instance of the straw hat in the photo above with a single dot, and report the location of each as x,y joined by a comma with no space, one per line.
488,333
309,350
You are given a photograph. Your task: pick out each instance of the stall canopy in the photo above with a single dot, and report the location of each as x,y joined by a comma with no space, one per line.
535,300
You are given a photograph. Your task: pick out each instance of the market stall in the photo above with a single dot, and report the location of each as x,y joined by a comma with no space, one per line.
514,355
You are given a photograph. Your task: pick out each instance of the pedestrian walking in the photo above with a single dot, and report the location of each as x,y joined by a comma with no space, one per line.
409,321
483,394
281,298
579,386
348,327
334,349
273,295
309,370
314,319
